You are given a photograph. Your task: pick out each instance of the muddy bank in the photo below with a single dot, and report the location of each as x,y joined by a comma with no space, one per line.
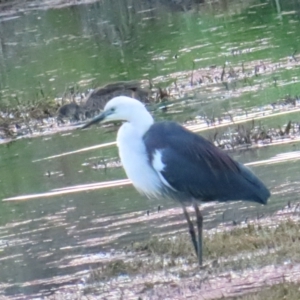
191,89
238,260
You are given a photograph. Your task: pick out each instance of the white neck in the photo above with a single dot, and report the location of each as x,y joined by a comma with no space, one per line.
133,152
141,121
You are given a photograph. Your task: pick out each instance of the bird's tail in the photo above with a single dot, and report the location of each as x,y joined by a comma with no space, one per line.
259,192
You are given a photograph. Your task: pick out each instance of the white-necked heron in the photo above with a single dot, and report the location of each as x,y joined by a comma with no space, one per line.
165,159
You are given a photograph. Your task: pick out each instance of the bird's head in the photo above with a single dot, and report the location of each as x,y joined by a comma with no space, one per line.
121,108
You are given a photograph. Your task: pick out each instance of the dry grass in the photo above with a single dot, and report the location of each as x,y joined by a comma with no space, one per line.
226,243
154,266
252,238
235,249
288,291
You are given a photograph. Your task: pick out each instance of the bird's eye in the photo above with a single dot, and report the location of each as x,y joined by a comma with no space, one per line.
112,109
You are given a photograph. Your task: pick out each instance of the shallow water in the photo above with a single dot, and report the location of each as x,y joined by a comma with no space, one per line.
63,226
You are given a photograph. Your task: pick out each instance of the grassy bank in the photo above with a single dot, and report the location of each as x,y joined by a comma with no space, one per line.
233,257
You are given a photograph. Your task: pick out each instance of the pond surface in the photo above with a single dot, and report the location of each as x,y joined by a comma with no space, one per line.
75,206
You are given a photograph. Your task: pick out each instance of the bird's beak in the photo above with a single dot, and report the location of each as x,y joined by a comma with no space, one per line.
95,120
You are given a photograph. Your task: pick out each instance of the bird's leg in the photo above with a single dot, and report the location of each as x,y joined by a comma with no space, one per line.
191,229
199,220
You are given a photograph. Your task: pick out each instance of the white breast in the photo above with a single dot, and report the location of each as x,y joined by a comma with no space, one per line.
134,158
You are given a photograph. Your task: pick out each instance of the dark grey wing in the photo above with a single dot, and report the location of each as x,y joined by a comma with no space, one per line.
196,168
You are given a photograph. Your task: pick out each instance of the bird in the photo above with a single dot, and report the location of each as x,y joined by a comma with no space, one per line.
164,159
